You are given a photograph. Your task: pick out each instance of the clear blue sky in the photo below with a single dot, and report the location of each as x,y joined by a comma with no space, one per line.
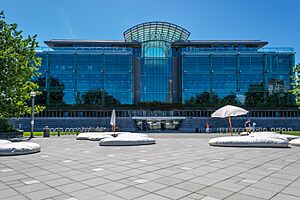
275,21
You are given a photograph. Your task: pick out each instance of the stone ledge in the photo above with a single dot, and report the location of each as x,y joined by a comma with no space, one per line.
12,134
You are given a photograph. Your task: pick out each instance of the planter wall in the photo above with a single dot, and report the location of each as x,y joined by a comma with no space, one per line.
10,135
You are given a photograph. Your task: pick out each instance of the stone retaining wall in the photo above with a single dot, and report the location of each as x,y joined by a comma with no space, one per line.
190,124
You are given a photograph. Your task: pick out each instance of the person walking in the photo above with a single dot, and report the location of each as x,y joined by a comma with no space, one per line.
207,127
248,126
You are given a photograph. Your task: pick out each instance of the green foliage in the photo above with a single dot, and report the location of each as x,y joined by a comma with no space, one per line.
204,99
99,97
156,105
255,96
229,100
291,132
17,67
258,96
296,83
281,99
56,91
5,126
39,134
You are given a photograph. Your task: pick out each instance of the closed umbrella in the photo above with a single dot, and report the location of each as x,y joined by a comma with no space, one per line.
113,120
229,111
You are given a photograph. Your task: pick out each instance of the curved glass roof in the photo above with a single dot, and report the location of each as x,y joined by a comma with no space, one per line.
156,31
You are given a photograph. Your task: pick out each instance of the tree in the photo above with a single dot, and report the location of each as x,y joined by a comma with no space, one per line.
255,95
100,97
296,83
280,99
56,90
229,100
18,65
154,105
204,99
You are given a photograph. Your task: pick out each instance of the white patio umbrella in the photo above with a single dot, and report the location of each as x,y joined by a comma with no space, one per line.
113,120
229,111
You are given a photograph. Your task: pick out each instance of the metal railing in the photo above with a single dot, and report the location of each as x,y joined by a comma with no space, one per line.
277,49
174,113
85,49
237,49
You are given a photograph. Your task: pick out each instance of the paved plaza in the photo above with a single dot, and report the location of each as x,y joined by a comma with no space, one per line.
180,166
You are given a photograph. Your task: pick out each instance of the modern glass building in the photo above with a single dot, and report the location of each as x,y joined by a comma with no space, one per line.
156,62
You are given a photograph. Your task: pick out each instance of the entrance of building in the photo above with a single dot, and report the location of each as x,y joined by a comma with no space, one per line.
157,123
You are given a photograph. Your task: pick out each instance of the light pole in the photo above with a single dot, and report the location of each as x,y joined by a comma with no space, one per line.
32,94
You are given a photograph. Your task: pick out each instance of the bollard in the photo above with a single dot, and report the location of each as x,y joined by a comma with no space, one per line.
58,132
46,131
21,133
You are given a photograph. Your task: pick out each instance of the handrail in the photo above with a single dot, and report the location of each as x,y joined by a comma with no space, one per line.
237,49
78,49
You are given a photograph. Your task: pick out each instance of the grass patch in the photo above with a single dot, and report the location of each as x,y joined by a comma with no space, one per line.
291,132
27,134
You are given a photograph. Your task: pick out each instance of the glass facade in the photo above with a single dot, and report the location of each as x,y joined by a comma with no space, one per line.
156,71
235,73
157,63
156,79
90,77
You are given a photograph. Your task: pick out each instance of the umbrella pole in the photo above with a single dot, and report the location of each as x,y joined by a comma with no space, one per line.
230,125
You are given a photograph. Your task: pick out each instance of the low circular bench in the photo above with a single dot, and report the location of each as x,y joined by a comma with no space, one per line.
248,141
295,142
127,140
94,136
97,136
129,134
273,135
4,142
19,148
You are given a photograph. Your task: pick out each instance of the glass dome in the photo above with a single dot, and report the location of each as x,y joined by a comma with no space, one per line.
156,31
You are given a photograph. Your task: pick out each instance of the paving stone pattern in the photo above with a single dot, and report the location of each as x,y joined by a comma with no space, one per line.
177,167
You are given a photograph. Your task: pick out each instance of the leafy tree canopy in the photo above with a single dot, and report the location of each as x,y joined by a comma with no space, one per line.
18,65
296,84
99,97
55,92
229,100
255,96
204,99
